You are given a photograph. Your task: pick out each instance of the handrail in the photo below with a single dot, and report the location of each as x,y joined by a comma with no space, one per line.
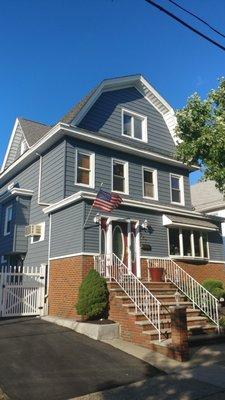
199,296
111,267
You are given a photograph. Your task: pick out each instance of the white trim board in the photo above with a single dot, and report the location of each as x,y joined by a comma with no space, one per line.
148,206
73,255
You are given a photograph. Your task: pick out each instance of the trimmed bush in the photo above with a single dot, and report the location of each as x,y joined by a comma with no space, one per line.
93,297
215,287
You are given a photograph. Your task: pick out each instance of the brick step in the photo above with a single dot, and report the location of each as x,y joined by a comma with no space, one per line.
159,285
155,292
153,334
164,314
166,323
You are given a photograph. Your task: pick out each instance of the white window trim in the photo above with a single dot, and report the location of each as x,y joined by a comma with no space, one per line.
181,244
6,233
126,175
42,237
92,168
144,125
155,183
181,182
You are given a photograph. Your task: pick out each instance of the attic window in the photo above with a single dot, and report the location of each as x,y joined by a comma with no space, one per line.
134,125
23,147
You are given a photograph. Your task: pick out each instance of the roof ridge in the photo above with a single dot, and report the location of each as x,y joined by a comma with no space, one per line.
35,122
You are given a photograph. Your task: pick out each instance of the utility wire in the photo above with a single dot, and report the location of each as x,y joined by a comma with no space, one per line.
185,24
198,18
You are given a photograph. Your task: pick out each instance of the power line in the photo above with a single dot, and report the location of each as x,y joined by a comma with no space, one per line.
185,24
197,17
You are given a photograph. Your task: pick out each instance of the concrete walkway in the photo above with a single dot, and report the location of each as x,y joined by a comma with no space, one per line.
203,377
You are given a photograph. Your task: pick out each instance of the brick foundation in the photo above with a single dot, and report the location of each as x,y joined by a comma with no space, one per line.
200,272
65,277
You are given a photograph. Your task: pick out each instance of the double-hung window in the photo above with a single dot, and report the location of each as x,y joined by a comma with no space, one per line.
149,177
85,165
8,220
120,176
177,189
134,125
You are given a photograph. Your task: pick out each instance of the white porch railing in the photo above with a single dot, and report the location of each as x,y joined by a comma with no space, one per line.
111,267
199,296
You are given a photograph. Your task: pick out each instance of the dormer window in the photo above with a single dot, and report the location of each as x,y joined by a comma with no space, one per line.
23,147
134,125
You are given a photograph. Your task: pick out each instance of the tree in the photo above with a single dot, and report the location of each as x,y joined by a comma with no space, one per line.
93,297
201,130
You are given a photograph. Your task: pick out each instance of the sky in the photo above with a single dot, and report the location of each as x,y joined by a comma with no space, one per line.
52,52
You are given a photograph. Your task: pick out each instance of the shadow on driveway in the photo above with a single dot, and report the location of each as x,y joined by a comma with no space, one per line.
40,360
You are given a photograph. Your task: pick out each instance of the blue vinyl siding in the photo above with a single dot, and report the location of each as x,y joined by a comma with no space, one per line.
53,169
105,117
103,171
67,231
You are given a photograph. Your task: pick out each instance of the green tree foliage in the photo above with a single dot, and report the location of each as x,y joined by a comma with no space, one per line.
93,298
201,128
215,287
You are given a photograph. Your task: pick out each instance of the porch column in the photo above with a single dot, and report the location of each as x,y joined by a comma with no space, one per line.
129,246
138,249
109,237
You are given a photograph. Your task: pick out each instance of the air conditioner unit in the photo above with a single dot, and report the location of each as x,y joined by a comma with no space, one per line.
33,230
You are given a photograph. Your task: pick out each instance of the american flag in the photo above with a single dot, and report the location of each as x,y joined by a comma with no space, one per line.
106,201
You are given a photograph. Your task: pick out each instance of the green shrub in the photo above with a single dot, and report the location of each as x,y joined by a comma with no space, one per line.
93,298
215,287
222,322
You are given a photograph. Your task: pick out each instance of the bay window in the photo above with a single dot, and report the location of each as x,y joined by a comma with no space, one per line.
188,243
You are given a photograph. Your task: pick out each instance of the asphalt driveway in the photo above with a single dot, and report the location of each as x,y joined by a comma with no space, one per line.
43,361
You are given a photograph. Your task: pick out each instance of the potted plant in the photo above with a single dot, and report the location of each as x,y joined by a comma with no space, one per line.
156,272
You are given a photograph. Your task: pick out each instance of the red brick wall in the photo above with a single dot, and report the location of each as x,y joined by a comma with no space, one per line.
65,277
200,272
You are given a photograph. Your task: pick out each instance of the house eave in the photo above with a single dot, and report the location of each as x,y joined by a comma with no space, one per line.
62,129
82,195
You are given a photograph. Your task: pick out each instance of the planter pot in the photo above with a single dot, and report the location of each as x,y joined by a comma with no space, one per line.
156,274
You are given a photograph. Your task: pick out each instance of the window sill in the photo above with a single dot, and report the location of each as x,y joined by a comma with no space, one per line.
177,204
83,185
150,198
133,138
118,192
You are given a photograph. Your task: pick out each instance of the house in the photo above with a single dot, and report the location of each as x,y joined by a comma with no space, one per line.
206,198
120,135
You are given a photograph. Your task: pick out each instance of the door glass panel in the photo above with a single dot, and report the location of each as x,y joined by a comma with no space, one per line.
132,248
118,242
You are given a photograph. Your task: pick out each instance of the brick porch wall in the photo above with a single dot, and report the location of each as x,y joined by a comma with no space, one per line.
200,272
65,277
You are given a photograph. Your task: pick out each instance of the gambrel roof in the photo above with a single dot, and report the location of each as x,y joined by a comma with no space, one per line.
33,132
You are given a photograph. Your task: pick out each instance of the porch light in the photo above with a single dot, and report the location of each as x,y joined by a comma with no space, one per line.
177,298
145,224
97,218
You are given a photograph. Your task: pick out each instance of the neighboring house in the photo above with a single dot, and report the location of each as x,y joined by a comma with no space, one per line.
122,135
206,198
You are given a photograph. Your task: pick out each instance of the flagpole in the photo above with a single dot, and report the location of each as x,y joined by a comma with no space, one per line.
92,206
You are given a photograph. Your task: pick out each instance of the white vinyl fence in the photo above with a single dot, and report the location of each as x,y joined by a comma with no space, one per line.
22,291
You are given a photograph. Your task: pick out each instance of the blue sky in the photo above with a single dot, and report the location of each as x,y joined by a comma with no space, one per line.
54,51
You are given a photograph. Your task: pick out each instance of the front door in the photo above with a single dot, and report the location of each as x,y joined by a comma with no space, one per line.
121,242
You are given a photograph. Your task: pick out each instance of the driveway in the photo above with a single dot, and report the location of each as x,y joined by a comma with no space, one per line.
40,360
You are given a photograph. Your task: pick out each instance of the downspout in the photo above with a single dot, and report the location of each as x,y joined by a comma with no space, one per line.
39,182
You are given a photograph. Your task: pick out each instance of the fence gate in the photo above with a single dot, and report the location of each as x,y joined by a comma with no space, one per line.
22,291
